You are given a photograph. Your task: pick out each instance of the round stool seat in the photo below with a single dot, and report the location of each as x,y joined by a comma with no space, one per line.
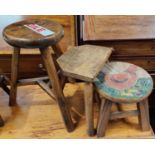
123,82
33,33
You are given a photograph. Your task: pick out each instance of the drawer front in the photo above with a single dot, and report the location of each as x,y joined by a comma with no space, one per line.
129,48
29,66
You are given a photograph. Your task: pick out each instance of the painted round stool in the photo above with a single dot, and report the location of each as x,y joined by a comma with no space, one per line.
123,83
44,35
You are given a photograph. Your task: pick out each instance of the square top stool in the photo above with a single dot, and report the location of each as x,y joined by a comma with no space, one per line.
44,35
84,63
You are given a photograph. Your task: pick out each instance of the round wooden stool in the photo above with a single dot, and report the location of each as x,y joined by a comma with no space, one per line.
124,83
45,35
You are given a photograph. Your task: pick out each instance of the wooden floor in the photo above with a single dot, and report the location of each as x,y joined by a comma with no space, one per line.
38,116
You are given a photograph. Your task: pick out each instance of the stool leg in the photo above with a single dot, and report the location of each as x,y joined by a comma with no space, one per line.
14,74
118,106
52,73
143,115
1,121
97,99
88,100
147,109
57,50
104,117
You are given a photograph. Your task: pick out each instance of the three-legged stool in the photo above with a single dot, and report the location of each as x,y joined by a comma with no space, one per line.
84,63
44,35
123,83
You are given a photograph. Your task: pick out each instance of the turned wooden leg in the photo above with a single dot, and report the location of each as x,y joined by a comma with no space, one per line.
89,112
52,73
14,76
143,115
104,117
1,122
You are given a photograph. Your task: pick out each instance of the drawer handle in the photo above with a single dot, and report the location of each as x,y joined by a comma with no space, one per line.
41,66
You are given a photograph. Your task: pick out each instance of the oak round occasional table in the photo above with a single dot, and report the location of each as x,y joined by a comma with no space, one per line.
45,35
123,83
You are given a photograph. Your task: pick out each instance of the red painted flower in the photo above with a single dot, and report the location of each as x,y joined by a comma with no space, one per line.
122,80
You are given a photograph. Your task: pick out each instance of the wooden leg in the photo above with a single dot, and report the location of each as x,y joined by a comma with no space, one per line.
1,122
88,100
143,115
119,107
147,109
14,74
97,99
57,50
3,85
52,73
104,117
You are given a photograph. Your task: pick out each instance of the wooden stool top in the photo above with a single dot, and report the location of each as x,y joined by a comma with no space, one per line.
124,82
84,62
33,33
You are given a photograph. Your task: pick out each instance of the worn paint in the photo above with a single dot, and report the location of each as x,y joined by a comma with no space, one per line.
132,83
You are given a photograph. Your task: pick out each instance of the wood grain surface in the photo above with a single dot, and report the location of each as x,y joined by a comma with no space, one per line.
38,116
121,27
19,35
65,20
84,62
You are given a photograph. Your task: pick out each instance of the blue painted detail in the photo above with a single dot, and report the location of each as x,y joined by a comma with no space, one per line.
142,87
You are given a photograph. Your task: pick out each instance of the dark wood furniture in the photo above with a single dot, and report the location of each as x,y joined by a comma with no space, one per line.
132,37
123,83
44,35
84,63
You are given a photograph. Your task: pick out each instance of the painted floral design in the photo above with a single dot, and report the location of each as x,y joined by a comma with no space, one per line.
131,83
